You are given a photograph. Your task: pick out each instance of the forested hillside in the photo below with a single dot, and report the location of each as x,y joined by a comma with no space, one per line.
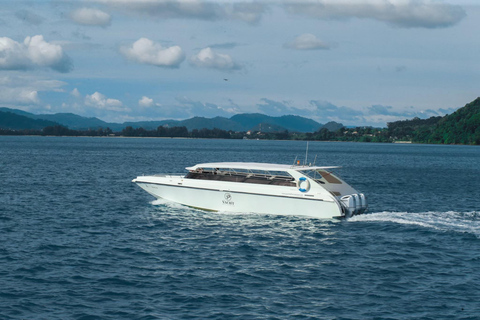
460,127
12,121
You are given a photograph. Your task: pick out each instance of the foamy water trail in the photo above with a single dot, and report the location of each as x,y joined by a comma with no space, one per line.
468,222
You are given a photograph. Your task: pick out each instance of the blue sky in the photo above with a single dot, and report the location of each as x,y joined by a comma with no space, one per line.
355,62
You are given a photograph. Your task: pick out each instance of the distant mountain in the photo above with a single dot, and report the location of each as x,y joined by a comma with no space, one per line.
211,123
73,121
267,127
249,120
69,120
147,125
239,122
13,121
290,123
333,126
16,111
190,124
297,123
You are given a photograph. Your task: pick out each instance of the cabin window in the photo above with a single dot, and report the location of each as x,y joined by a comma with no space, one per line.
246,176
313,174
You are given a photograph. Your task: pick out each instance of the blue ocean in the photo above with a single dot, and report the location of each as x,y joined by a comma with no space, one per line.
79,240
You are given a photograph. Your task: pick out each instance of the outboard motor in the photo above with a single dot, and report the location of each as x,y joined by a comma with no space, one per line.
348,203
354,204
363,201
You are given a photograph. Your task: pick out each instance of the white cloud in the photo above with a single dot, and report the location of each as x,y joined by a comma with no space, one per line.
23,90
188,107
400,13
278,108
75,93
250,12
33,52
13,55
207,58
148,52
91,17
307,41
32,82
28,96
100,101
147,102
20,96
328,111
43,53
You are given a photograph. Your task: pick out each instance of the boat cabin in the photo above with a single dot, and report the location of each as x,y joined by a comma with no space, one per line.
260,173
244,176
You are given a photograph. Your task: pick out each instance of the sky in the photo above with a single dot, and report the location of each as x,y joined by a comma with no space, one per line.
366,62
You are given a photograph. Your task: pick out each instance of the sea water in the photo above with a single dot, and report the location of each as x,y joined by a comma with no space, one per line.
79,240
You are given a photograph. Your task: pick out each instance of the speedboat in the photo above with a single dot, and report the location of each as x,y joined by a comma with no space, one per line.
264,188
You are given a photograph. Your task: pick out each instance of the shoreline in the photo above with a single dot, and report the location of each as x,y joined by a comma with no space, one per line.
190,138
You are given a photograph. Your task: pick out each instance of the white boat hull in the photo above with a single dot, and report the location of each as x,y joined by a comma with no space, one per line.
256,198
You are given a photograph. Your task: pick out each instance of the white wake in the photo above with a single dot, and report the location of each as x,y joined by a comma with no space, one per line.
468,222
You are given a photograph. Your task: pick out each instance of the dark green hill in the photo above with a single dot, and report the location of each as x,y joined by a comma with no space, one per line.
17,111
249,120
239,122
69,120
416,129
148,125
74,121
190,124
333,126
9,120
207,123
460,127
267,127
297,123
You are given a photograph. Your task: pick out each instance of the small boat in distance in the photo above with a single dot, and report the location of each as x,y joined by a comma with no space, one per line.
260,188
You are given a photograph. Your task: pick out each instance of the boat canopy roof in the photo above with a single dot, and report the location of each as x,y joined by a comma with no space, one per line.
256,166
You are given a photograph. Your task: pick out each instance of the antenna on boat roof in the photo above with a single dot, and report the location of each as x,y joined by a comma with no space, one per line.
314,160
295,161
306,156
